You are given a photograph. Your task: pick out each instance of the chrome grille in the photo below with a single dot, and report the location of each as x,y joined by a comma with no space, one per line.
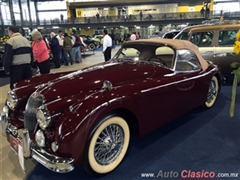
34,102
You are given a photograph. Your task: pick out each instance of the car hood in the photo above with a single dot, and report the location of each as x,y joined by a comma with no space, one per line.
92,78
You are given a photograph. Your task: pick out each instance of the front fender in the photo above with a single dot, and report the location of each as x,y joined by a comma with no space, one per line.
76,125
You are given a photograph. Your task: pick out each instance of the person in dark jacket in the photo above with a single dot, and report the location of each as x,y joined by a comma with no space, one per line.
55,48
67,47
17,57
112,35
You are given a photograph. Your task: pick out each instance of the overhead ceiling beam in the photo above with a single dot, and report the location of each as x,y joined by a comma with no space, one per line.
132,3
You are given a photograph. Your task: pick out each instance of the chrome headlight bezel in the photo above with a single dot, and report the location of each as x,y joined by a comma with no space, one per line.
12,100
40,138
43,117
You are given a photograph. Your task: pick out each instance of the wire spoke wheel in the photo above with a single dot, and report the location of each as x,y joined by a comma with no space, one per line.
212,92
108,146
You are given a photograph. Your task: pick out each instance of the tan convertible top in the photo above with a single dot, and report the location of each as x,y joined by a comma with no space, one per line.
177,44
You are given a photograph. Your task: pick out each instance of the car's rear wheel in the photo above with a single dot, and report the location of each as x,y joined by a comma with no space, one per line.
212,92
91,46
107,146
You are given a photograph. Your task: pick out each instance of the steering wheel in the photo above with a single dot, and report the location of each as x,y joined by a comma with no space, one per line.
158,58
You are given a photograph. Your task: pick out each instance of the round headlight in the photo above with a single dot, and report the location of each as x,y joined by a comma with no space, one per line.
40,138
43,118
12,100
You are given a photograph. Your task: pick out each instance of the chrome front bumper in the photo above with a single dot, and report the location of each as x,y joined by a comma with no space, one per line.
3,123
30,149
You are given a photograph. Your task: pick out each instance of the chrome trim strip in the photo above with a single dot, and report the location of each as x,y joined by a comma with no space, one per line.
3,124
26,143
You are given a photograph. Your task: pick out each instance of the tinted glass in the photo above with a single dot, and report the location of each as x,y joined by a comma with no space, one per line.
170,35
202,39
227,38
183,35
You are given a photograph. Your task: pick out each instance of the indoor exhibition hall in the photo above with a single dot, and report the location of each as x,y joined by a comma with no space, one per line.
123,90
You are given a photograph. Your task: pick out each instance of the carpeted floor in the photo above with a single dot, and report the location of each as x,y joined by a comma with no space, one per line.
202,140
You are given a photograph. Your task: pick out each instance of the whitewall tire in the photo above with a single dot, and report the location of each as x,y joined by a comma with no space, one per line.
212,92
91,46
107,146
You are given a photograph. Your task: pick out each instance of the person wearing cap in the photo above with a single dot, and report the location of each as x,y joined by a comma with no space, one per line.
107,45
18,56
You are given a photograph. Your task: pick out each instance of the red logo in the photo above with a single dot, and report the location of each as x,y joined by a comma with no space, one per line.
14,144
35,94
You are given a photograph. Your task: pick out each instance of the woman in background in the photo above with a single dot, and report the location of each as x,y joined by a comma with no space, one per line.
40,52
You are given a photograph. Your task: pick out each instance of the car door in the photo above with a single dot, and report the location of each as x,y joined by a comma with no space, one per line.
191,85
204,41
224,52
173,89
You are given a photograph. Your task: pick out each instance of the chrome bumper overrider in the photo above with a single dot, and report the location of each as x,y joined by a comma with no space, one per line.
30,149
54,163
3,123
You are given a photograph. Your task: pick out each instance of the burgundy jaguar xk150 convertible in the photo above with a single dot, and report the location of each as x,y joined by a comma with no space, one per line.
86,117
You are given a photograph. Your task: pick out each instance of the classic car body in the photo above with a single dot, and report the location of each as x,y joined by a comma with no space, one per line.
216,43
86,116
92,43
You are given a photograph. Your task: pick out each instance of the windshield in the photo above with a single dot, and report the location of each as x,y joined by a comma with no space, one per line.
160,34
159,54
184,35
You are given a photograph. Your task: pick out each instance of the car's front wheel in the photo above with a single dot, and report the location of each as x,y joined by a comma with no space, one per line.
212,92
107,146
91,46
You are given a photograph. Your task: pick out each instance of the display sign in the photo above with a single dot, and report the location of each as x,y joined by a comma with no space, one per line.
16,146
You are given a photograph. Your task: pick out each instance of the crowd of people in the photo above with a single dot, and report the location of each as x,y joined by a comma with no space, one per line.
21,55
